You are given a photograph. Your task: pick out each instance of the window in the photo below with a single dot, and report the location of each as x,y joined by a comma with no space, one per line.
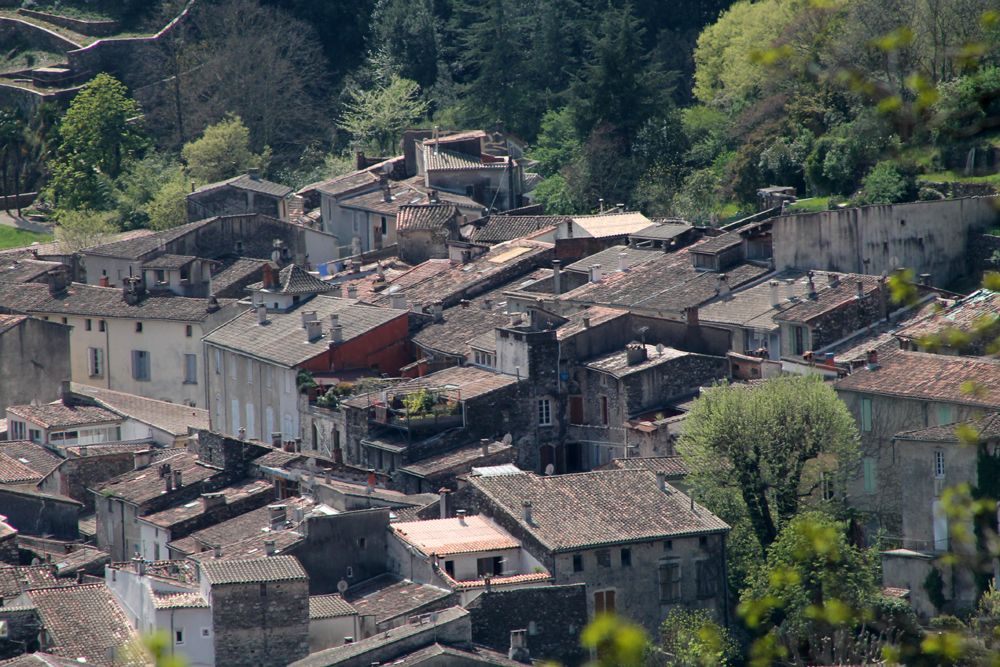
385,226
578,562
800,344
939,464
603,558
702,541
88,325
206,632
604,410
362,543
289,382
449,568
218,361
190,369
17,430
489,566
669,573
102,326
944,414
544,412
604,602
263,590
138,327
626,558
65,320
95,362
484,359
140,365
708,580
188,330
178,635
869,472
866,415
668,545
34,435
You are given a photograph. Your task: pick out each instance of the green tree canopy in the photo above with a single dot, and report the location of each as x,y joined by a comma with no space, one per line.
377,117
222,151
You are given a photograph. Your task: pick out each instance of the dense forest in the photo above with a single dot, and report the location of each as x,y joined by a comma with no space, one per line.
672,107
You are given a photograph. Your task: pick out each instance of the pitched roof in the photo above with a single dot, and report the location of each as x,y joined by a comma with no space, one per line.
16,579
179,601
399,195
13,471
608,258
388,596
31,454
40,660
24,270
988,428
174,515
329,606
716,244
283,340
498,228
247,525
830,298
139,486
466,381
425,216
10,321
137,247
673,466
270,568
448,537
592,509
662,230
167,261
60,415
174,418
461,325
293,279
616,363
58,248
464,135
109,302
442,159
243,268
930,377
976,311
611,224
461,459
84,621
248,182
751,307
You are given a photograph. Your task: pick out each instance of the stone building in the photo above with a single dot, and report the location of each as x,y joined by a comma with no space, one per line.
243,194
37,353
620,532
423,230
260,610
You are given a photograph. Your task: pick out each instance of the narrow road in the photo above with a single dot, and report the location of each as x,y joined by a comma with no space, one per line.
11,219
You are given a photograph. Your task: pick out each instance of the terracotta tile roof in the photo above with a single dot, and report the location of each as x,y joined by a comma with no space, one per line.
31,454
461,325
40,660
716,244
461,460
751,307
17,579
84,622
58,248
388,596
10,321
399,195
431,217
446,537
252,547
329,606
987,427
167,261
472,584
15,472
139,486
499,228
174,418
58,415
608,259
24,270
283,340
243,527
109,302
930,377
466,382
293,279
673,466
277,459
978,310
78,559
662,229
605,507
247,182
829,299
186,511
272,568
611,224
180,601
443,159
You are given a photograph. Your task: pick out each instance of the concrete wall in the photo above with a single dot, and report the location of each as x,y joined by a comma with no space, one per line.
330,632
252,394
928,237
39,514
260,624
34,360
354,541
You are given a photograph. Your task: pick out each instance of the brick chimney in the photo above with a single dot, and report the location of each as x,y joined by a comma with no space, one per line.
268,276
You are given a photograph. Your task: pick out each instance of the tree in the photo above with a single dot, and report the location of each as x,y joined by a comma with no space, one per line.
222,151
692,638
13,145
886,184
406,31
99,128
377,117
168,207
557,144
772,444
84,228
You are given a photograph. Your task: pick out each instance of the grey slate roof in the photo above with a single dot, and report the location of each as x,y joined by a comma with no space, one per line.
31,454
608,259
246,182
293,279
592,509
987,427
139,247
616,363
283,340
24,270
388,596
662,230
168,261
500,228
174,418
719,243
272,568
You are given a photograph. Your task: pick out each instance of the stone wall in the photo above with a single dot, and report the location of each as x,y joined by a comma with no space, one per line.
230,454
39,514
984,247
74,477
354,541
552,615
849,319
94,28
19,31
263,624
23,626
37,353
230,201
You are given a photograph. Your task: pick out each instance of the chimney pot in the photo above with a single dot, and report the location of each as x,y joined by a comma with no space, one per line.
586,322
873,360
276,439
337,333
528,518
485,442
861,289
832,279
352,291
775,294
178,477
461,516
397,301
314,329
623,261
595,273
443,501
261,314
217,551
269,547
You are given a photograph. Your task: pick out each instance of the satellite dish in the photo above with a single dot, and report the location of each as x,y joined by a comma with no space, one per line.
507,439
659,348
342,586
387,168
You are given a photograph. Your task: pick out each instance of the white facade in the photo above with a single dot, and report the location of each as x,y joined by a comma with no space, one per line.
252,394
330,632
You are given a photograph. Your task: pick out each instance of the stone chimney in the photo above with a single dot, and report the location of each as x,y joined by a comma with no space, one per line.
437,311
337,333
586,321
217,551
596,273
485,443
178,479
723,286
314,330
872,360
443,501
519,647
58,280
352,291
623,261
213,500
528,518
861,289
635,353
142,459
811,286
276,439
397,301
461,517
661,481
253,173
383,182
832,279
775,293
556,277
261,314
269,547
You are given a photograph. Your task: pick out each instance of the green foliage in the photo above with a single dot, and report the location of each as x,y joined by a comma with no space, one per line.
304,381
553,193
886,183
693,638
138,185
557,143
616,642
83,228
966,104
376,118
934,587
168,207
420,403
222,151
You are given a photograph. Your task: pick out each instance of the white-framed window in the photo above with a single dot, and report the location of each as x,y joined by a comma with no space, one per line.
140,365
938,464
484,359
544,412
95,362
190,369
34,434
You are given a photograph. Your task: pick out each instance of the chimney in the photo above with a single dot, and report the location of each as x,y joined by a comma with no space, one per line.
278,515
600,204
437,310
352,291
691,315
142,459
334,320
775,293
276,439
58,280
811,287
528,518
168,482
269,547
268,276
461,517
623,261
925,279
519,647
485,442
872,360
397,301
832,279
337,291
307,317
103,281
386,188
253,173
586,322
337,333
314,329
178,479
487,304
213,500
595,273
556,277
443,501
635,353
661,481
217,551
262,314
723,286
432,197
861,289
